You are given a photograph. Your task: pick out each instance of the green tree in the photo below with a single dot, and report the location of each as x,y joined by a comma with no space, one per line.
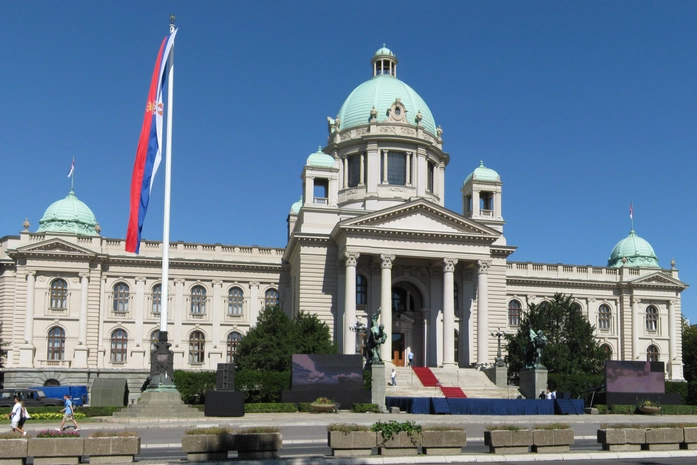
689,351
312,336
571,345
268,346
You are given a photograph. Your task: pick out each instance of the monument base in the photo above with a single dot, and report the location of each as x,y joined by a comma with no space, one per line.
498,375
533,382
379,386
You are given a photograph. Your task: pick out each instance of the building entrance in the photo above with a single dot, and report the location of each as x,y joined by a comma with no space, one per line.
398,349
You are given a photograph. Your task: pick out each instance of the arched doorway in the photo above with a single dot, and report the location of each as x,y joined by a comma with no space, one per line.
407,324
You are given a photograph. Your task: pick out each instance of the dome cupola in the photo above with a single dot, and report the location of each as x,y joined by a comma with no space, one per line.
69,215
633,251
320,159
482,173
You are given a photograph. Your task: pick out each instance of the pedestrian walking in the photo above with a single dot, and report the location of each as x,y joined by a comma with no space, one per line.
68,412
15,417
393,376
411,358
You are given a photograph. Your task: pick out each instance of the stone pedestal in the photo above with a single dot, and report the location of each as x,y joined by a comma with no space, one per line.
498,375
159,404
379,386
533,382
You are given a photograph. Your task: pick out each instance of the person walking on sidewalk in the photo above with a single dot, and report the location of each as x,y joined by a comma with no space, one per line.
393,376
16,416
68,413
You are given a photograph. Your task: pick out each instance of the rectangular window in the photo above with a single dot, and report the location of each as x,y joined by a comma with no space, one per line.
354,170
431,173
397,168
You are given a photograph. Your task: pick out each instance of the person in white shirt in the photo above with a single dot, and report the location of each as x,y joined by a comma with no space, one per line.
15,416
548,395
393,376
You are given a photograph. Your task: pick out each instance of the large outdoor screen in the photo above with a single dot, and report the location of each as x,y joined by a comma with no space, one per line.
327,371
645,377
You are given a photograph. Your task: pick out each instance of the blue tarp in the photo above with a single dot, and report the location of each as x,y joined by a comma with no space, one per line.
431,405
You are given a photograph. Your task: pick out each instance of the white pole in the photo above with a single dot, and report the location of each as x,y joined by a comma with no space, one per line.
168,185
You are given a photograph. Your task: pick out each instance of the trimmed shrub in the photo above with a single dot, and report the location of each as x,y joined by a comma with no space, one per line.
362,408
208,430
678,388
305,407
347,427
192,385
271,407
113,434
574,384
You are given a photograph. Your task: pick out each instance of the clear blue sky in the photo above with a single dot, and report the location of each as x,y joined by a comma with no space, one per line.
581,107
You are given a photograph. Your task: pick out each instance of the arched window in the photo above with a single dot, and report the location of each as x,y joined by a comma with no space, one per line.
198,300
119,346
651,318
197,347
233,339
608,351
154,338
576,307
121,292
235,300
271,297
361,290
604,316
157,298
59,294
544,305
514,310
56,343
52,382
652,353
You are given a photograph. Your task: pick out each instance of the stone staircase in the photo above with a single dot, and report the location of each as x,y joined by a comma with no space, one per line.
157,405
473,382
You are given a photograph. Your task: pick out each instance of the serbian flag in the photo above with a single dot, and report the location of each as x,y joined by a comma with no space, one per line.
149,153
631,211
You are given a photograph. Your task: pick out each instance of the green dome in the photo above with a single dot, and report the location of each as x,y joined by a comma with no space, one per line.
637,252
320,159
380,93
295,208
384,51
482,173
69,215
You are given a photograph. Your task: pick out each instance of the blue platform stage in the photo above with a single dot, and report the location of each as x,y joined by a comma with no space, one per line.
440,405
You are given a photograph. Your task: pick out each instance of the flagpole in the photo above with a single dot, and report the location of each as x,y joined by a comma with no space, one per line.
72,177
168,185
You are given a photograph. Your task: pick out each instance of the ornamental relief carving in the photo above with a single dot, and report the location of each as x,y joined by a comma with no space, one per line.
346,135
396,189
361,132
387,130
483,266
407,131
41,278
429,138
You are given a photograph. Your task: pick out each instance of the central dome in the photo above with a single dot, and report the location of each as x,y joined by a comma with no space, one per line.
633,251
69,215
380,93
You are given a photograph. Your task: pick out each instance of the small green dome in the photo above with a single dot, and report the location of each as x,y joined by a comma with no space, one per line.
380,92
69,215
295,208
384,51
636,251
320,159
482,173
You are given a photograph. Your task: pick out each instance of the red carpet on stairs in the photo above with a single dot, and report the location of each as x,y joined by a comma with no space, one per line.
426,376
453,392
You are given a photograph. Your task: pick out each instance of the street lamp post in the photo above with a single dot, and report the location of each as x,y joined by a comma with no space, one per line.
499,359
360,329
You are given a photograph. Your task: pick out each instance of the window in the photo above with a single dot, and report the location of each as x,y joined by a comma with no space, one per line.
608,351
233,340
154,338
198,300
56,343
157,298
361,290
397,168
119,346
121,297
354,170
321,192
651,318
59,294
235,299
514,310
486,200
197,347
652,353
430,176
271,298
604,317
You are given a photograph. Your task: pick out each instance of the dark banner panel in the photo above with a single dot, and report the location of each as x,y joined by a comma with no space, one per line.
627,376
310,372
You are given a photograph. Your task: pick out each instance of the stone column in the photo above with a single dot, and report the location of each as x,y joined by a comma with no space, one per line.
361,175
636,327
386,305
26,350
176,337
482,311
350,302
408,165
672,348
448,312
140,309
384,167
81,351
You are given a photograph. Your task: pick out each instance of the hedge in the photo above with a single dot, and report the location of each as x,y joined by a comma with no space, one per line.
271,407
80,412
363,408
575,384
192,385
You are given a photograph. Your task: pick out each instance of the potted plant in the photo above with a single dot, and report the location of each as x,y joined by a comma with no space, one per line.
207,444
508,439
51,447
649,407
258,443
112,446
552,437
622,437
351,440
324,405
443,439
13,449
397,438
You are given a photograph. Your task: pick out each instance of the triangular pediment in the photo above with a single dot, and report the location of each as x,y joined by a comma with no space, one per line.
419,217
658,278
54,247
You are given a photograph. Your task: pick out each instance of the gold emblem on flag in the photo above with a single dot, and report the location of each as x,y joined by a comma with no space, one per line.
154,107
